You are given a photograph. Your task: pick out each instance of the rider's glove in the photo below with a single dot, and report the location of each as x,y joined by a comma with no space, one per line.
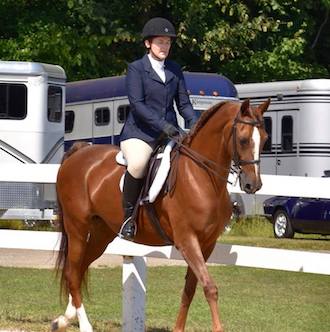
171,131
191,123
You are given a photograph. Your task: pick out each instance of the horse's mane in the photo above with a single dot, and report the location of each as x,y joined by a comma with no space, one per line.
202,120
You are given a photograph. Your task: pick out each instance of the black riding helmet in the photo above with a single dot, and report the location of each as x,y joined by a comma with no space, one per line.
158,26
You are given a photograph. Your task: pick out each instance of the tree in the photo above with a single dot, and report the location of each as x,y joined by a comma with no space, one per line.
83,36
251,40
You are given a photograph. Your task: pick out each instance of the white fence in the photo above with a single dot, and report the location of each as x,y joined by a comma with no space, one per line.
134,263
272,185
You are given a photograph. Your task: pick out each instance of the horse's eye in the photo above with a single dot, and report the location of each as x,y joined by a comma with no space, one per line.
244,141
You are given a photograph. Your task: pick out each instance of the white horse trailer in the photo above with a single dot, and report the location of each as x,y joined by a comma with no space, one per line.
32,99
297,123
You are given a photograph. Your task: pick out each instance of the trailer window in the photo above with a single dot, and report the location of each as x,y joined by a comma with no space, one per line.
54,109
102,116
268,128
69,121
287,133
13,101
122,113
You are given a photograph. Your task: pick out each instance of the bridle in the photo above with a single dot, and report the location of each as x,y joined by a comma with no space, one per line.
209,165
237,161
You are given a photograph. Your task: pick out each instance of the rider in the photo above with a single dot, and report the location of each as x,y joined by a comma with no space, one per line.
153,83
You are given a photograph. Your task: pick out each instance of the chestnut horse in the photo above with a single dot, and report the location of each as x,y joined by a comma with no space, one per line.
193,215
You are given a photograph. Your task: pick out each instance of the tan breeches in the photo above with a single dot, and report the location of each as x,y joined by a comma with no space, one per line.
137,153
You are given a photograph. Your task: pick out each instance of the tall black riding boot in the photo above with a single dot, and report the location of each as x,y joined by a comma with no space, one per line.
131,192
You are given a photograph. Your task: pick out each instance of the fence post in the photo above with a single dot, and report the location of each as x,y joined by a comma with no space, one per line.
134,293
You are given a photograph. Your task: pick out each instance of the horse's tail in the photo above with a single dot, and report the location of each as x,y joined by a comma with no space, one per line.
74,148
63,251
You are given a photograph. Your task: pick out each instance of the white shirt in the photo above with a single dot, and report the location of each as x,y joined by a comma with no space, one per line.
158,67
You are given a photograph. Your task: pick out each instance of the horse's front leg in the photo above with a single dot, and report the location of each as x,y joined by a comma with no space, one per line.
187,296
193,255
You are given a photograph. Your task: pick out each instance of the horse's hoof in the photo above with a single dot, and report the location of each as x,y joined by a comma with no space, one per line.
59,324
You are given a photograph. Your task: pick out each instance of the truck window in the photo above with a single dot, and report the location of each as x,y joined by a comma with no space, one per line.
287,134
13,101
54,108
268,128
69,121
102,116
122,113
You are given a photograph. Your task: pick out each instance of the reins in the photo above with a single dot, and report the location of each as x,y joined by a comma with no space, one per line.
203,162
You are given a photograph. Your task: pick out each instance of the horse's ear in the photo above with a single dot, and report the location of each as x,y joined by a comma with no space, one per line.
264,106
245,107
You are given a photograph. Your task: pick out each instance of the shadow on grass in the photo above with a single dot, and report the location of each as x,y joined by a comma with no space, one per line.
320,238
156,329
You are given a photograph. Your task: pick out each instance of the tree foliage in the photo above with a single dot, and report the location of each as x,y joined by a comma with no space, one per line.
251,40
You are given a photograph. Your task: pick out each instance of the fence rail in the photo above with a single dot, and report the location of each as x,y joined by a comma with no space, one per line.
275,185
279,259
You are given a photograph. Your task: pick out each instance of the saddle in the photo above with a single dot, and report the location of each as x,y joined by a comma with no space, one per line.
156,179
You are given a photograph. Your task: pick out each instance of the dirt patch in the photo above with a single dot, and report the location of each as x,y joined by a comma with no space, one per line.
43,259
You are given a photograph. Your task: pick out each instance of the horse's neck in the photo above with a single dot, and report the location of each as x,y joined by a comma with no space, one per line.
213,139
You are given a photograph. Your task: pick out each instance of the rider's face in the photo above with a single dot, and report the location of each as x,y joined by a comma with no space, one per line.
159,47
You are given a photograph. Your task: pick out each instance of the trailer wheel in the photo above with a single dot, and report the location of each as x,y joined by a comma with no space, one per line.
282,225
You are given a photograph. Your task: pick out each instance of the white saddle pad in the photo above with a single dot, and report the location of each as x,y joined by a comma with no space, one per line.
161,175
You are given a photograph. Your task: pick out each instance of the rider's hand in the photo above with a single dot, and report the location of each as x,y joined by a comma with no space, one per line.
170,130
191,123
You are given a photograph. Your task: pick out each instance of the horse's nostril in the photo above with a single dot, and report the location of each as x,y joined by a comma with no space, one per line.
248,187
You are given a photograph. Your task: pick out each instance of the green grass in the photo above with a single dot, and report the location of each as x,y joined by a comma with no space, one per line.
250,300
31,225
259,232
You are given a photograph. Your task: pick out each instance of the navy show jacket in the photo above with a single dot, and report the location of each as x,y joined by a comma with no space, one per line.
151,100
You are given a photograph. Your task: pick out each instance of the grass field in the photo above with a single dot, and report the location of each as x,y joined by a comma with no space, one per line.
250,300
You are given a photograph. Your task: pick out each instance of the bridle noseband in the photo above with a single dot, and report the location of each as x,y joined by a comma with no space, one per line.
237,161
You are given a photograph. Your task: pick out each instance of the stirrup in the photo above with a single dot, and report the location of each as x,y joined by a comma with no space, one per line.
128,229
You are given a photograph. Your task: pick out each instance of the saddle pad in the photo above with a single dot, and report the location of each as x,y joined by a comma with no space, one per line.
161,175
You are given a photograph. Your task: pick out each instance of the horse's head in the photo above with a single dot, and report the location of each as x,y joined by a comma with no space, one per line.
249,137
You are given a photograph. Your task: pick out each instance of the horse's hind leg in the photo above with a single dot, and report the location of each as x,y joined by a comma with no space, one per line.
196,260
62,322
74,277
77,236
99,236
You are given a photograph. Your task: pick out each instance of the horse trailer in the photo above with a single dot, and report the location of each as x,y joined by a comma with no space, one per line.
297,122
32,99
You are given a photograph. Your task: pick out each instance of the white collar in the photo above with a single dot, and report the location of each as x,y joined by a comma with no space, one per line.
156,63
